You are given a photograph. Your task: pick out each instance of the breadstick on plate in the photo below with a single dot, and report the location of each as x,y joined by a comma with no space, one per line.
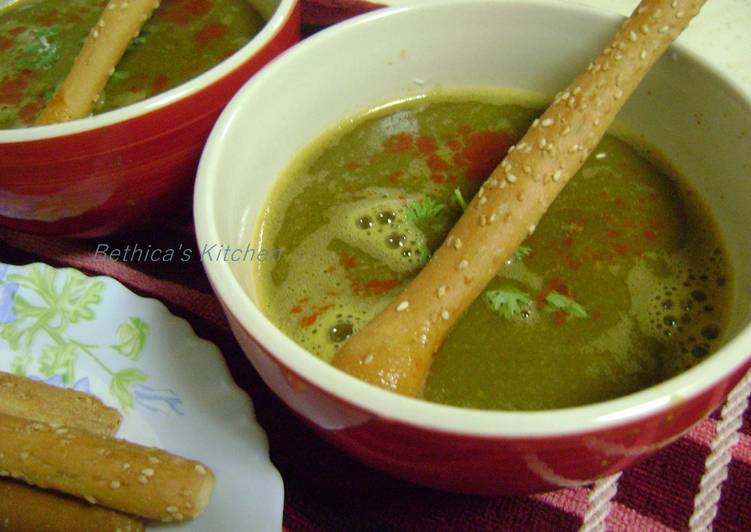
120,22
27,509
24,508
150,483
395,350
37,401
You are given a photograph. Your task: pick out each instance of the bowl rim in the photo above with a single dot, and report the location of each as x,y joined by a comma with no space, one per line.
364,397
279,20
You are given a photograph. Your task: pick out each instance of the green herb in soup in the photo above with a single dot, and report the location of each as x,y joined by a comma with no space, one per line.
39,40
624,283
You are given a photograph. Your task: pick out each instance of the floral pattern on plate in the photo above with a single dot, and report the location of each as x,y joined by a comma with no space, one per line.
93,335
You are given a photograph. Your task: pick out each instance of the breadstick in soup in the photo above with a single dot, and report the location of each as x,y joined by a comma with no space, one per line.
120,22
395,350
150,483
27,509
37,401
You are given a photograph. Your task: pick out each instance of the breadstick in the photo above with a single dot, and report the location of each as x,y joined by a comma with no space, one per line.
27,509
146,482
37,401
395,350
24,508
120,22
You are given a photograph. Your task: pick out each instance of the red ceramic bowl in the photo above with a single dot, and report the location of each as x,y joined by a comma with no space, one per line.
698,119
112,171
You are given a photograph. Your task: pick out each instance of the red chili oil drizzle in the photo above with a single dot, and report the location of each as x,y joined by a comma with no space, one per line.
628,234
310,319
210,33
476,152
12,89
183,11
482,152
398,143
29,112
6,43
159,84
374,287
348,261
53,16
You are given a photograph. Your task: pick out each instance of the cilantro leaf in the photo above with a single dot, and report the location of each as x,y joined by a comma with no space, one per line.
423,210
521,252
117,75
139,39
48,94
49,31
558,301
40,53
508,303
460,199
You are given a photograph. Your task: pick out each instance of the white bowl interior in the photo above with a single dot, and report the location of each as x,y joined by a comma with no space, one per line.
696,118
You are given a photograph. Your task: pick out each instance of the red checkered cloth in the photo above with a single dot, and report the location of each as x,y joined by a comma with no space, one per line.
701,481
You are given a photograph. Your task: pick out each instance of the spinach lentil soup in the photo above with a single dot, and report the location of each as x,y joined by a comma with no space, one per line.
39,40
624,284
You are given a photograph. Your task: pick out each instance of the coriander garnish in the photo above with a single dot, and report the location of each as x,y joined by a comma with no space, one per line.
41,53
460,199
521,252
558,301
421,211
507,302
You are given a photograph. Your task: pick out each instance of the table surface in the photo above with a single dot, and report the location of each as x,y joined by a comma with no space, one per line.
326,490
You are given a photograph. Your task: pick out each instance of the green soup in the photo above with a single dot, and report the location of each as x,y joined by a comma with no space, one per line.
39,40
625,282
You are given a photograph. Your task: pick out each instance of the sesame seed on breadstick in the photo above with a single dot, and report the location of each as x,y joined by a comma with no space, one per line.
25,508
120,22
395,350
150,483
37,401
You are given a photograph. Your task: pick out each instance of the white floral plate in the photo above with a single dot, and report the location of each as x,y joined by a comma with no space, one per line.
173,388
